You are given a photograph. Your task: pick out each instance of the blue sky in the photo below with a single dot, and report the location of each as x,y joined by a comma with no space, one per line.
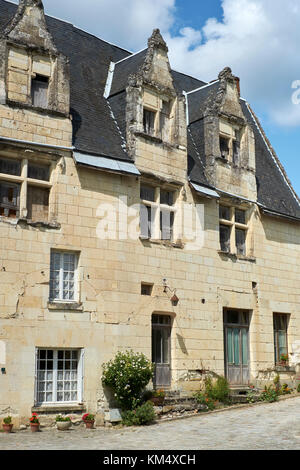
258,39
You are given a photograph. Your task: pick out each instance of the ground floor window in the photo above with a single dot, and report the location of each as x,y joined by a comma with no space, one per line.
59,375
280,322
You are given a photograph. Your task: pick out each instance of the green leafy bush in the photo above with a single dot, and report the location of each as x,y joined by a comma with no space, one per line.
214,392
127,375
270,394
298,388
141,416
63,419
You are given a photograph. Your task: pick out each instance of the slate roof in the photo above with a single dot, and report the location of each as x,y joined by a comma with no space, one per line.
99,125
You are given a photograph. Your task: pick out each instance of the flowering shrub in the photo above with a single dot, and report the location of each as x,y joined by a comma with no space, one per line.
88,417
127,375
34,419
143,415
270,394
285,390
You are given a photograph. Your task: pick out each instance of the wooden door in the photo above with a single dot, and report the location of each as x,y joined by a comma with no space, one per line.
161,353
236,339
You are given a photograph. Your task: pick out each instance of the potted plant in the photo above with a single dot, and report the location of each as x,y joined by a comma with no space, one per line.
284,359
34,423
63,422
88,420
158,397
7,424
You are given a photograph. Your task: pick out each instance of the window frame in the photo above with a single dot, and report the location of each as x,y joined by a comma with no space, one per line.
233,135
80,370
234,227
76,287
276,331
156,209
24,181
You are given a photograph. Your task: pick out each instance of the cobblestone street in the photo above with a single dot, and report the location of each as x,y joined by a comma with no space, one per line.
273,426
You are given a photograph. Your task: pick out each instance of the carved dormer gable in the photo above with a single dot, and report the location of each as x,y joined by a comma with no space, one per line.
33,72
155,111
229,139
29,26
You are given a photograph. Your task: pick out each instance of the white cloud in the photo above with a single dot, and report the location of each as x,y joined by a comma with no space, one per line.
127,23
258,39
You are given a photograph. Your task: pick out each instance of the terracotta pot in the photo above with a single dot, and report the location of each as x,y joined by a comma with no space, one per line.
35,427
89,424
7,427
63,425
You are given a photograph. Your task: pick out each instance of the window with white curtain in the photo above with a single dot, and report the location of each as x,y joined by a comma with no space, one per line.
59,376
63,276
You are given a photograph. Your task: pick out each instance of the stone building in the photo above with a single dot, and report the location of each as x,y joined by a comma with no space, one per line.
140,208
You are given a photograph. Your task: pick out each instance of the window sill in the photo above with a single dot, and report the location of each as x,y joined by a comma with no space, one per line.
178,244
281,368
157,140
58,408
70,306
234,256
40,224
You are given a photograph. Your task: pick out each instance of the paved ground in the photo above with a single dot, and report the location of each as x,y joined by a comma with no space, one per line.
273,426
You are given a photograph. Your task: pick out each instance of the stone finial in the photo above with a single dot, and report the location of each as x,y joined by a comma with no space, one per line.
32,3
225,74
157,41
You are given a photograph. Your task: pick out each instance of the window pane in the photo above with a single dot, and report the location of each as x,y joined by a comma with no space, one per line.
9,199
147,193
240,216
229,346
147,216
167,197
62,276
224,212
148,121
10,167
38,172
39,91
236,346
37,203
244,347
225,238
240,238
166,225
224,147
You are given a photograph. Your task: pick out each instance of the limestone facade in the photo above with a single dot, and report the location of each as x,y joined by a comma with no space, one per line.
52,211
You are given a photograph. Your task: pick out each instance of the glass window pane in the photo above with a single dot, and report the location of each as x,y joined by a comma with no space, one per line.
240,216
147,193
225,238
236,346
240,238
224,212
229,346
244,347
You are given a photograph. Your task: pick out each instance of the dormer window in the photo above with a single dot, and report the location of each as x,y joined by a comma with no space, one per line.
224,147
157,115
149,122
230,142
39,91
